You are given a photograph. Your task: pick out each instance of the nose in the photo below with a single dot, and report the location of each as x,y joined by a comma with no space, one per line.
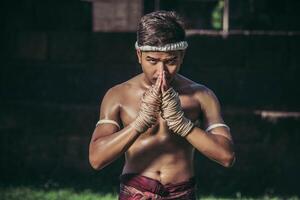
162,67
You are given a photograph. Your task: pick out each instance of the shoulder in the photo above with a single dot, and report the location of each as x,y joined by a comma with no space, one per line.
119,91
208,102
122,88
114,99
206,97
111,101
195,88
113,94
202,93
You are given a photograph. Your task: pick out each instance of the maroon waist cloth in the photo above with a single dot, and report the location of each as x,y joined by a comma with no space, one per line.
134,187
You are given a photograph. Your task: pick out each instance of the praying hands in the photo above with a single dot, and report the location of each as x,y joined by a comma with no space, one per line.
149,109
171,110
161,97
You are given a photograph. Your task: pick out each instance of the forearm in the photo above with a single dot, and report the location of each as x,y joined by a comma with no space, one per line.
215,147
106,149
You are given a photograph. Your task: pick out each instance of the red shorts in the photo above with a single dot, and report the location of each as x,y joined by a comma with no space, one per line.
135,187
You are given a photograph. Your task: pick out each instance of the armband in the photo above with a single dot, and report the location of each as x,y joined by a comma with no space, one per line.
215,126
108,121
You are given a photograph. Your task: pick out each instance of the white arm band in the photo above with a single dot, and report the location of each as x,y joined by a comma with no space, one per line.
108,121
215,126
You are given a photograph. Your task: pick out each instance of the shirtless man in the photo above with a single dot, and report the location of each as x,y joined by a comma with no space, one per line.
158,118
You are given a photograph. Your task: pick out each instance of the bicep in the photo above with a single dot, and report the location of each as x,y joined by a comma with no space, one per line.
213,121
109,111
211,108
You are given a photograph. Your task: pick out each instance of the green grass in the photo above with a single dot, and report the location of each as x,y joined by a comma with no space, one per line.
28,193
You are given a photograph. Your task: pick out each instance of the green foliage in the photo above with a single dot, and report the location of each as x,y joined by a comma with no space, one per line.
217,14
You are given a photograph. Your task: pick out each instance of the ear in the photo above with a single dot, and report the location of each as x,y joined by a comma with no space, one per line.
139,55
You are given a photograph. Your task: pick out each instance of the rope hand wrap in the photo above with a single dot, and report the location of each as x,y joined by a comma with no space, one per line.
149,110
173,114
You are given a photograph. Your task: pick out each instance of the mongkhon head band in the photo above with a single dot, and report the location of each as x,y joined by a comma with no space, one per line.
168,47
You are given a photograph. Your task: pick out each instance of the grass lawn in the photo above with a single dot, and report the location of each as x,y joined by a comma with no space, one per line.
27,193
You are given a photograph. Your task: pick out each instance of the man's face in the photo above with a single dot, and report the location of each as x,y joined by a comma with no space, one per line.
154,62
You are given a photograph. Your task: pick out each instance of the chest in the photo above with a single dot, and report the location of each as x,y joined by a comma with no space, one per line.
130,107
159,134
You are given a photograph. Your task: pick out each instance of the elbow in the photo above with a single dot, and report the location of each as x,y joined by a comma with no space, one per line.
97,164
95,161
228,160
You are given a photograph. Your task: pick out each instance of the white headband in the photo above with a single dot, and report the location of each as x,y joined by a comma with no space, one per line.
168,47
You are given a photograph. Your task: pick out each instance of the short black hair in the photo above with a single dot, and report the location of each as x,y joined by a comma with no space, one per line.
160,28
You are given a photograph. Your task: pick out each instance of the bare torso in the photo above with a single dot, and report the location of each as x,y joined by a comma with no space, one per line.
158,153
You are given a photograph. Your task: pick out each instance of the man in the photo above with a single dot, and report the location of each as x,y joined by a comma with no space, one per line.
158,118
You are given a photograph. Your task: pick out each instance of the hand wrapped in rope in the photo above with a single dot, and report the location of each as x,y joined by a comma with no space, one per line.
173,114
150,107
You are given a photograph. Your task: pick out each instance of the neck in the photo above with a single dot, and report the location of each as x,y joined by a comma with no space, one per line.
145,83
